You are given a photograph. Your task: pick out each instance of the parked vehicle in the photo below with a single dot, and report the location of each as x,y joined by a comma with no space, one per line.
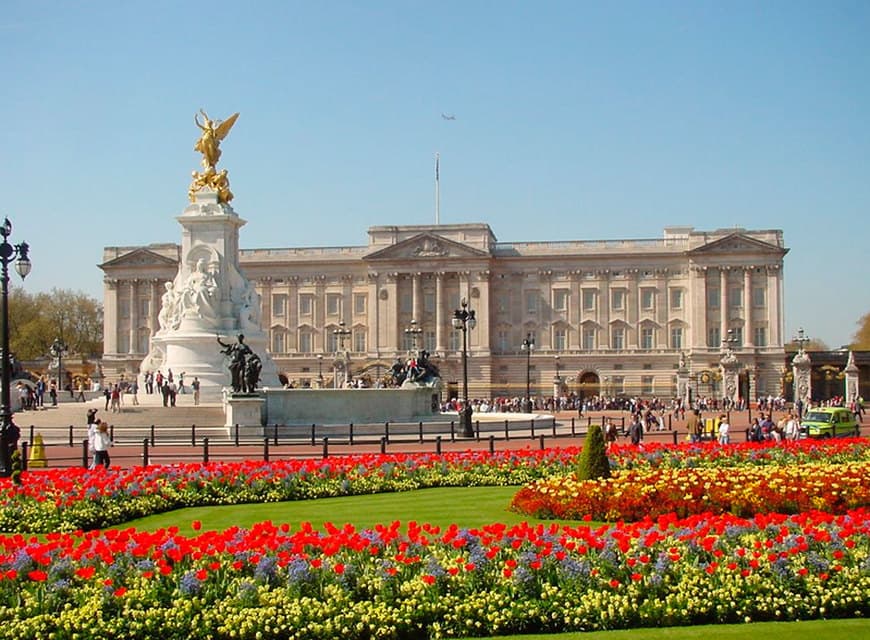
829,422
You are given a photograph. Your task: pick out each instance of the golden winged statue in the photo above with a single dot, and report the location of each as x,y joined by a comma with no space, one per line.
213,131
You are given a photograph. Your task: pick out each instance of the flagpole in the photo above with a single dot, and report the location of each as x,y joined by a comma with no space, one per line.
437,188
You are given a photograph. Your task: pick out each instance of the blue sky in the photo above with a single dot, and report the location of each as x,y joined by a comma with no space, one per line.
574,120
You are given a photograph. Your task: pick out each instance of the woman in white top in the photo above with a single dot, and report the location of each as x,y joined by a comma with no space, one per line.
792,428
724,428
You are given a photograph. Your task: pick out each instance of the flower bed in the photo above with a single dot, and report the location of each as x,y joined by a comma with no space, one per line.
70,499
413,581
744,490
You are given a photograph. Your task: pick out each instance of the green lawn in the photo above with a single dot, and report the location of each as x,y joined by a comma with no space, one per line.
472,507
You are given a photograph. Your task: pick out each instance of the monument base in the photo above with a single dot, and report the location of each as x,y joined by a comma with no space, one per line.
197,354
343,406
245,410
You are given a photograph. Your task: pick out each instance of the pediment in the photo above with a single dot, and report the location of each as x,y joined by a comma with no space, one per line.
737,243
139,258
426,246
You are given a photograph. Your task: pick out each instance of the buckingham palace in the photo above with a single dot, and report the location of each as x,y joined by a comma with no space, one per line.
592,317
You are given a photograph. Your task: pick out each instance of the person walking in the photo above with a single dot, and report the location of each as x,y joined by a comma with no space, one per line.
134,391
693,425
195,386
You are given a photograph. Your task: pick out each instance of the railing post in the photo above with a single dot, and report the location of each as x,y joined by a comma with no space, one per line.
491,444
543,446
676,437
438,445
70,435
24,456
205,450
383,445
325,447
386,432
350,434
152,435
145,460
265,449
275,433
532,427
747,435
193,435
670,421
477,430
313,436
236,434
507,431
112,432
588,422
554,427
452,431
86,463
420,428
573,431
31,433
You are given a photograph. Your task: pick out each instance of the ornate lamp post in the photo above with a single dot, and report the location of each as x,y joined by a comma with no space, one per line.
341,335
413,332
729,365
528,346
320,370
58,350
463,319
8,252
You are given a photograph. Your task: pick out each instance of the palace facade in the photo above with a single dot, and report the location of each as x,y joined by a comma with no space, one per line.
606,316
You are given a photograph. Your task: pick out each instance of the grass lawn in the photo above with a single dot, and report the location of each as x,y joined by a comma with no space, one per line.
472,507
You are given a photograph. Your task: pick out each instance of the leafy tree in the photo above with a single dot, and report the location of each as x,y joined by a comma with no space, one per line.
812,345
35,320
861,339
593,462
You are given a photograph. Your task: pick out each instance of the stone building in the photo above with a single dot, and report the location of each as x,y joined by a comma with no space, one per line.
606,316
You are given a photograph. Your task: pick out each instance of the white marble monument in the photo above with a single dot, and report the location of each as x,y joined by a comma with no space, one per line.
210,297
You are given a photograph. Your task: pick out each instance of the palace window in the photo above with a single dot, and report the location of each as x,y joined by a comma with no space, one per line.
617,299
333,304
560,299
713,298
359,303
646,385
429,340
306,305
735,297
647,298
646,338
144,308
676,298
714,337
758,297
676,337
532,302
279,304
278,345
588,299
588,339
306,344
617,338
560,339
760,336
359,340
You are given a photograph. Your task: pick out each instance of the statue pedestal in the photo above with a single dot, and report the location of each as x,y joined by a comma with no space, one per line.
245,410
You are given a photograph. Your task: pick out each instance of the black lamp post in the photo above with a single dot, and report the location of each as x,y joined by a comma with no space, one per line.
8,252
464,319
528,347
58,350
413,331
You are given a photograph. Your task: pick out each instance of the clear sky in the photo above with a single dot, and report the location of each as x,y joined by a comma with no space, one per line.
574,120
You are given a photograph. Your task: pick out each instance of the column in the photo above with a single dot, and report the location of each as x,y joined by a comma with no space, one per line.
748,338
110,316
134,316
440,345
417,298
723,303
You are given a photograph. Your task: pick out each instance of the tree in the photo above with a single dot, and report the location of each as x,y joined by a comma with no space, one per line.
861,339
36,320
593,462
811,345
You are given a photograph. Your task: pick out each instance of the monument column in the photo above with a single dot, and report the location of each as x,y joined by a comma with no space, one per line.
852,380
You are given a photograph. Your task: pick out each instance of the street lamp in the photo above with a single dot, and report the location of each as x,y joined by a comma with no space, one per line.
801,338
58,350
528,347
413,331
8,252
464,319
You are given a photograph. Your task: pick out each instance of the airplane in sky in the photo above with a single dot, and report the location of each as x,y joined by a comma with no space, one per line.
448,116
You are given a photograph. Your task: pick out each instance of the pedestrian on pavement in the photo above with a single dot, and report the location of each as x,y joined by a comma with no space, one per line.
107,392
195,386
102,442
724,428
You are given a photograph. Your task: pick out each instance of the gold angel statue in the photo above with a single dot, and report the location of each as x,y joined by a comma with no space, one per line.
213,131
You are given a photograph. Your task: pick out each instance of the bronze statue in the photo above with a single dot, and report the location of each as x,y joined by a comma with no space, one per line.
238,354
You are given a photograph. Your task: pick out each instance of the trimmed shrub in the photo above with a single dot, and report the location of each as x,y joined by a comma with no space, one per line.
593,462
